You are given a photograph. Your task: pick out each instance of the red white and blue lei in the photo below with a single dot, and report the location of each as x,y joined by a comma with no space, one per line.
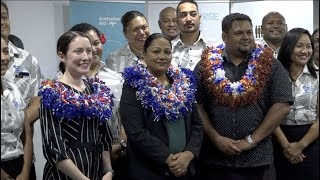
248,88
165,103
67,104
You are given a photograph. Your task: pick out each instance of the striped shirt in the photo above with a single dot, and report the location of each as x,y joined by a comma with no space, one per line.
187,56
81,140
114,81
121,58
305,92
24,72
12,121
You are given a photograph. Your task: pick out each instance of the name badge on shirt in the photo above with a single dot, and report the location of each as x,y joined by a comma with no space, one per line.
18,73
308,89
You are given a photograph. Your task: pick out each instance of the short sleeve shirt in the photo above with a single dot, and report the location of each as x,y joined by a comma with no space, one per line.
187,56
305,92
121,58
24,72
114,81
12,121
239,122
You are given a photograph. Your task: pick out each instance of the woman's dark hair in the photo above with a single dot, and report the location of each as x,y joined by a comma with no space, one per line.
287,47
5,6
128,16
228,20
63,44
315,31
153,37
85,27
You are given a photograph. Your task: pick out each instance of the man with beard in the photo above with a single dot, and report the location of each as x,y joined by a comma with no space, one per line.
187,48
243,95
168,22
273,29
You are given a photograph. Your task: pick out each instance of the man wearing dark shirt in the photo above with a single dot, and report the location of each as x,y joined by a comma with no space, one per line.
243,95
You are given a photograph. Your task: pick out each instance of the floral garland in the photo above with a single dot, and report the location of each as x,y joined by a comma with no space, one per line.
172,103
245,91
67,104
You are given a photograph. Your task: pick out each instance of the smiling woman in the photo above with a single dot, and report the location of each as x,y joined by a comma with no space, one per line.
136,30
159,114
74,113
296,147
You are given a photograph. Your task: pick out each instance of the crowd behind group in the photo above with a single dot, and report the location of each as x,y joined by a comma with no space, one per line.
166,106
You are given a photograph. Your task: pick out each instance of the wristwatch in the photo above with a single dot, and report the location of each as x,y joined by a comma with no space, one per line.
123,147
250,141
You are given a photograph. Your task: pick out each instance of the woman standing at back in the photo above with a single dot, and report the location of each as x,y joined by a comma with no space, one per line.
136,30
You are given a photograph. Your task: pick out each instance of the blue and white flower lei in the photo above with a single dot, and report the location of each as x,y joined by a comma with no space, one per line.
67,104
238,87
172,103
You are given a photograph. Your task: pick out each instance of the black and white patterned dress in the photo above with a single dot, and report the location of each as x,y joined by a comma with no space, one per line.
81,140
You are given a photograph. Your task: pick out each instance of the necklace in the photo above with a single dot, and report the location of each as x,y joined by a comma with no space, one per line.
248,88
67,104
167,103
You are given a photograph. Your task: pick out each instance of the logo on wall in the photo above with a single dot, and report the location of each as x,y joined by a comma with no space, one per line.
108,21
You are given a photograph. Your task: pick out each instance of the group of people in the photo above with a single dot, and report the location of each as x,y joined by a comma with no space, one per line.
166,106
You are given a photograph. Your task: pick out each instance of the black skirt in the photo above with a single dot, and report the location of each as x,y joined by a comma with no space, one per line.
306,170
14,167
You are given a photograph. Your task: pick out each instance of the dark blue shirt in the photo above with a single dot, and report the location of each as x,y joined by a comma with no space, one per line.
239,122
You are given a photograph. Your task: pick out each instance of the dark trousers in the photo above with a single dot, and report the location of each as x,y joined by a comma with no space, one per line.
14,167
120,167
226,173
308,169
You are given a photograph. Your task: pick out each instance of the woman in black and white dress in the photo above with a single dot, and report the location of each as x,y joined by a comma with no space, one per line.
74,113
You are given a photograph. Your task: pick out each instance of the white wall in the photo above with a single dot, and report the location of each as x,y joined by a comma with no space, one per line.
296,13
39,24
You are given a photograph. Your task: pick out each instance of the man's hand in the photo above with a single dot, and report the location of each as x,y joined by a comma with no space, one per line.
227,145
243,145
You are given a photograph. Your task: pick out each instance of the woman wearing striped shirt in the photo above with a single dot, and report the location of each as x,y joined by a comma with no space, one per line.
74,113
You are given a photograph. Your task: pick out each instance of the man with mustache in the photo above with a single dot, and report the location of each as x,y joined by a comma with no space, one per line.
273,29
187,48
243,95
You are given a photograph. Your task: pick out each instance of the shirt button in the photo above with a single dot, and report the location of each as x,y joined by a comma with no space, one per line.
9,114
190,48
190,61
